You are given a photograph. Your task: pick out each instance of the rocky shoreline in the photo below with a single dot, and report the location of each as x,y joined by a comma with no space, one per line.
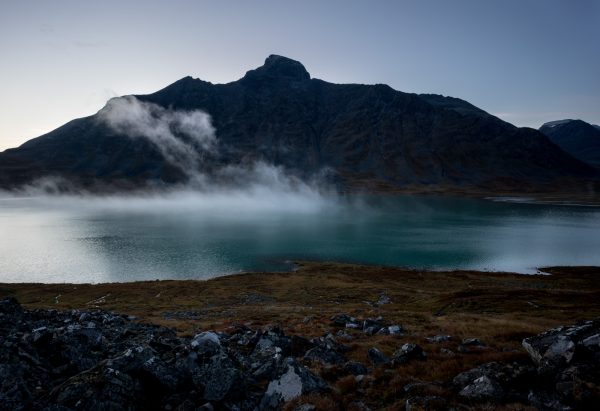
96,359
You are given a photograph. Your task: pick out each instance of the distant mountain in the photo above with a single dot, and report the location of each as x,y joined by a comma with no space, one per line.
368,137
576,137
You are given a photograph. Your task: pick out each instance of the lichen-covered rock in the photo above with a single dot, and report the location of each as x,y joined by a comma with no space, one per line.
483,388
564,373
559,347
293,380
508,375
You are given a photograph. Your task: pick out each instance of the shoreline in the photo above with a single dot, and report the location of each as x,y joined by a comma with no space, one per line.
549,197
319,276
495,310
295,266
498,310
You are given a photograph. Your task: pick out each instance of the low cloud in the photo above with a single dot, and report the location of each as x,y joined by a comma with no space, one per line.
186,138
182,137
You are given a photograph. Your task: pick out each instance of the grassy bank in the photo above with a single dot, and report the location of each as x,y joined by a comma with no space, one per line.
500,309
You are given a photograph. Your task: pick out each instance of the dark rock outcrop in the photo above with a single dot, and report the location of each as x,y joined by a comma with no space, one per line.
366,136
99,360
496,382
564,373
67,360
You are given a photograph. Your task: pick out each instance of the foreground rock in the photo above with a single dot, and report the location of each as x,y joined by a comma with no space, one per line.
293,381
568,364
53,360
99,360
564,373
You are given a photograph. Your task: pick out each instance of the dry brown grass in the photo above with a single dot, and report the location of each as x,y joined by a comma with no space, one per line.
500,309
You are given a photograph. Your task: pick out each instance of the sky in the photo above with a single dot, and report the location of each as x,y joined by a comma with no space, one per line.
525,61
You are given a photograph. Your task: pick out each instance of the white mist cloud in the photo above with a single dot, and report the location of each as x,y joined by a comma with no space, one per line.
184,137
181,136
228,204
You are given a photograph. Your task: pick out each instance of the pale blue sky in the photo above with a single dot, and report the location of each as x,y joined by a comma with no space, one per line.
527,61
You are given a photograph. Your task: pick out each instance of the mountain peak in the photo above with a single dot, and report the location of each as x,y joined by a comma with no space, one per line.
279,67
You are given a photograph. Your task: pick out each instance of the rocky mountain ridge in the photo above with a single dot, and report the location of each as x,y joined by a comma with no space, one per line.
364,136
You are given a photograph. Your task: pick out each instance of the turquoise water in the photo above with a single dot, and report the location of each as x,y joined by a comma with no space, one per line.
193,236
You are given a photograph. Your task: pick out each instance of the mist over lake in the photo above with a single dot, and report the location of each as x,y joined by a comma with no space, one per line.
197,236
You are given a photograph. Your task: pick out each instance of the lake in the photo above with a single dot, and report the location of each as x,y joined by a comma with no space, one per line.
198,236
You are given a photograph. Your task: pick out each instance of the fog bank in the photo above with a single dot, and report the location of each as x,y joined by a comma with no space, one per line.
187,139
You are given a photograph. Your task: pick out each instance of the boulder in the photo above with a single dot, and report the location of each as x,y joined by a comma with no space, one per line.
372,325
330,342
483,388
408,352
592,342
220,378
512,375
439,338
41,336
206,343
472,342
293,380
325,355
377,357
395,329
560,346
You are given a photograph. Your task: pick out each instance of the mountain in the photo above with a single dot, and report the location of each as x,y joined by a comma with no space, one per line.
368,137
576,137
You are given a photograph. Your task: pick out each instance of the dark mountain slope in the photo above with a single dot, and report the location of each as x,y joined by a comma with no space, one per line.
576,137
365,134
